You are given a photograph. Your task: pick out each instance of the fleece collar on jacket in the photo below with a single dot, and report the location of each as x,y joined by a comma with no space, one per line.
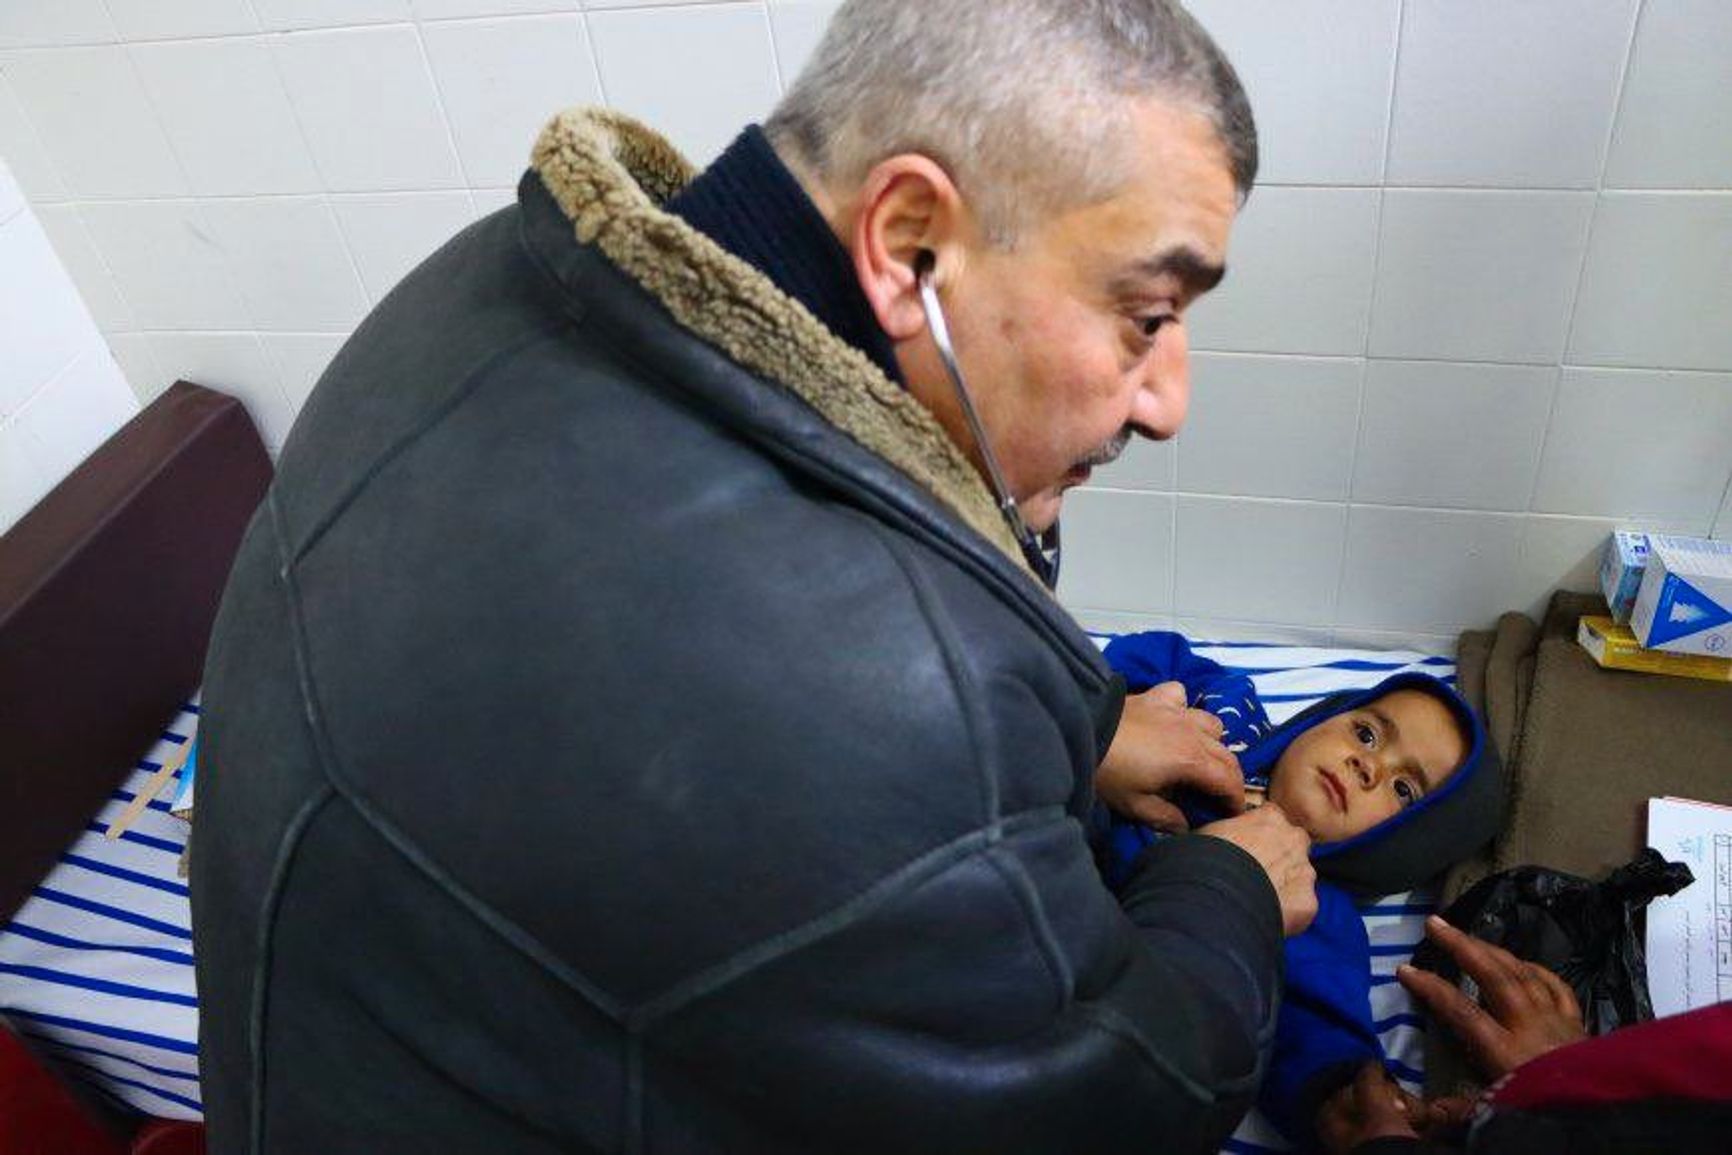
611,176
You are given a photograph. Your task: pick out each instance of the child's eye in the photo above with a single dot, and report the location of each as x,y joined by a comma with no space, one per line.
1365,734
1406,791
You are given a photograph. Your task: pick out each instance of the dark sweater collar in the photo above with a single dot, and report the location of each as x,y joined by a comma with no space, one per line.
750,204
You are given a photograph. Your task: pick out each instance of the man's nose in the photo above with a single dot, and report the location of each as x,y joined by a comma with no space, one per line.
1164,392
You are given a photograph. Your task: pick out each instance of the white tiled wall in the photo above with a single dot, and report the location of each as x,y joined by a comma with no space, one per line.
1487,279
61,393
1480,309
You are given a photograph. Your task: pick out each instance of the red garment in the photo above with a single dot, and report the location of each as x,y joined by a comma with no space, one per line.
38,1116
1681,1057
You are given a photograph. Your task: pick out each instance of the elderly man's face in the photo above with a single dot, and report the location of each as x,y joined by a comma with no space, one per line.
1075,338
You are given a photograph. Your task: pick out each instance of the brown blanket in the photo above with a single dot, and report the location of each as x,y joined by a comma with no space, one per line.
1584,749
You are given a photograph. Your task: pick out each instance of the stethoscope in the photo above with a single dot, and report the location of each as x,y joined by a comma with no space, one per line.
1041,550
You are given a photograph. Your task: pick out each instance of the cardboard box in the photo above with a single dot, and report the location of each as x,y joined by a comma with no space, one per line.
1685,603
1615,647
1621,571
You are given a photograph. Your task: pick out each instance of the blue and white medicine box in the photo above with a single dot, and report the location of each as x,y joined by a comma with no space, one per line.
1621,572
1685,603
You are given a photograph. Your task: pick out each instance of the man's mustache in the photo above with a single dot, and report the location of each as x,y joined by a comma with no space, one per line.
1109,452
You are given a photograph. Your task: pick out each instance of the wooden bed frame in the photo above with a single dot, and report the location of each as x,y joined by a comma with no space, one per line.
108,589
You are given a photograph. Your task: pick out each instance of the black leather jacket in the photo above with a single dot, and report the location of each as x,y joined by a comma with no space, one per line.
604,752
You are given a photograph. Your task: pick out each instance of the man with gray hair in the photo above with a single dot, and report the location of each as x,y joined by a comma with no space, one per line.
638,719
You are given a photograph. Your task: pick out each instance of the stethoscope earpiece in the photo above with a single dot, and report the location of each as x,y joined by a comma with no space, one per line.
1041,560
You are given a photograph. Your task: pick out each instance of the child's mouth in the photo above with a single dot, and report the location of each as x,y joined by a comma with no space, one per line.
1337,792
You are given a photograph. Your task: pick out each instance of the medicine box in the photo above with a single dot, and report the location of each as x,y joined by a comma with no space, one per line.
1685,603
1621,572
1615,647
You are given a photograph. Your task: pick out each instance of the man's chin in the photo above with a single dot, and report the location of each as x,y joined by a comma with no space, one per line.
1041,511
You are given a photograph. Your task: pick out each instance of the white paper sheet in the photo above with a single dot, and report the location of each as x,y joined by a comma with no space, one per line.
1690,934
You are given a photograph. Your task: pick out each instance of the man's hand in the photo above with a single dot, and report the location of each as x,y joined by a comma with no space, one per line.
1527,1009
1160,745
1284,852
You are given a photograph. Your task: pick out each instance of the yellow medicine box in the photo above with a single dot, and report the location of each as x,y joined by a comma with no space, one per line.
1615,647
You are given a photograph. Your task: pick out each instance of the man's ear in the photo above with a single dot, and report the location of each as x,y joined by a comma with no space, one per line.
907,204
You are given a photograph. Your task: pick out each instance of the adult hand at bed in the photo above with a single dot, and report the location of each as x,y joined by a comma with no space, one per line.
1283,850
1527,1010
1373,1106
1370,1107
1162,745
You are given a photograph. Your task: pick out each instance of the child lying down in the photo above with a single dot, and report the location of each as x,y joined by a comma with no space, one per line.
1394,784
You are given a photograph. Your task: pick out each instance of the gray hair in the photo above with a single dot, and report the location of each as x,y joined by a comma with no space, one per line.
1021,101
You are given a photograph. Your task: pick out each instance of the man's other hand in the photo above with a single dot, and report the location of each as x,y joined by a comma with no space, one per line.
1527,1009
1284,852
1162,745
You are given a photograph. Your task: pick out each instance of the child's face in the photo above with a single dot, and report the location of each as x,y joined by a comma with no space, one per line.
1348,773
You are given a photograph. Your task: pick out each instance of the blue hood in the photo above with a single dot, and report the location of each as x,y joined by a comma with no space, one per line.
1446,826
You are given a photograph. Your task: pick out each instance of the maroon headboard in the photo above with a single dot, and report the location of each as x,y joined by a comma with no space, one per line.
108,588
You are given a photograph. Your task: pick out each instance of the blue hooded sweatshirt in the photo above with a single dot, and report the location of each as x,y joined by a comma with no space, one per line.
1325,1031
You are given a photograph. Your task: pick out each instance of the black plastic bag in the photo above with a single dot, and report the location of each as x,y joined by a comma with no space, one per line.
1587,932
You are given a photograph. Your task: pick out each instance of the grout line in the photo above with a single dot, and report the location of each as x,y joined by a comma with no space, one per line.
305,137
156,116
306,142
342,334
1389,108
349,253
439,102
1621,190
1714,526
1265,499
775,52
594,55
1353,453
7,89
1334,615
102,259
1599,190
1545,437
1326,358
1618,94
47,383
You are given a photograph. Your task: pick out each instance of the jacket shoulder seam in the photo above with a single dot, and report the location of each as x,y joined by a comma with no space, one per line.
459,394
962,683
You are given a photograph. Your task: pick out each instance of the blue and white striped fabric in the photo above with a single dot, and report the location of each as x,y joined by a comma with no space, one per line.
96,968
1288,679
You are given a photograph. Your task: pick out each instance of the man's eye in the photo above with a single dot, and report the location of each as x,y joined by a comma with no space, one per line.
1406,791
1151,326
